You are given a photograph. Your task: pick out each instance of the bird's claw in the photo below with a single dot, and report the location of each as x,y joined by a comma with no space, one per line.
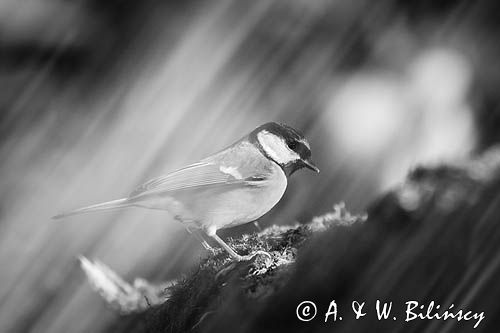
242,259
213,252
253,255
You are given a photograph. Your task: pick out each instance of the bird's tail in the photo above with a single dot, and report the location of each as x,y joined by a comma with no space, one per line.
110,205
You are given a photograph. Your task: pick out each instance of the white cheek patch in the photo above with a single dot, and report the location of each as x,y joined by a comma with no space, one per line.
276,148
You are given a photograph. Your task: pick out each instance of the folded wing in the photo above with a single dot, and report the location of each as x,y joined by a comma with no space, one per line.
196,175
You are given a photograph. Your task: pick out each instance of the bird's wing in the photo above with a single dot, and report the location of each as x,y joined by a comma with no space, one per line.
196,175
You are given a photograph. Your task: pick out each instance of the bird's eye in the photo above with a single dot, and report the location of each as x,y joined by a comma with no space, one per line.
292,144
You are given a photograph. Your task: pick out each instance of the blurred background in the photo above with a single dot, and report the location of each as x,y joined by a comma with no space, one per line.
98,97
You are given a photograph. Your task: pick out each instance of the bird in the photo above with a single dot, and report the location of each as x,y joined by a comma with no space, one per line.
234,186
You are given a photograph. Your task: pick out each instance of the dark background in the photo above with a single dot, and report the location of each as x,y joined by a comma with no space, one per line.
98,97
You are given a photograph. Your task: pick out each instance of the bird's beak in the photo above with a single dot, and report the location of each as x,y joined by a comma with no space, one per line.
310,165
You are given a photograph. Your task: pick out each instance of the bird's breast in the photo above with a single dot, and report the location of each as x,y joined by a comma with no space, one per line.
228,205
246,204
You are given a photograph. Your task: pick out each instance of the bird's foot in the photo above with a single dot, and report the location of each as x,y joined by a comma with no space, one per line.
250,262
253,255
213,252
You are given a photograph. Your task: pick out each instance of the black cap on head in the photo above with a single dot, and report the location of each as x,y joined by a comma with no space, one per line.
295,142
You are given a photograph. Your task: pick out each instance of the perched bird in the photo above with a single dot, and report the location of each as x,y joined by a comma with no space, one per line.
234,186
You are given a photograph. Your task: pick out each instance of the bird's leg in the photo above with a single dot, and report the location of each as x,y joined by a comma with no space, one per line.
200,238
212,233
226,247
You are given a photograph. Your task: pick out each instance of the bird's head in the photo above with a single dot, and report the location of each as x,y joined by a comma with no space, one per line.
284,145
